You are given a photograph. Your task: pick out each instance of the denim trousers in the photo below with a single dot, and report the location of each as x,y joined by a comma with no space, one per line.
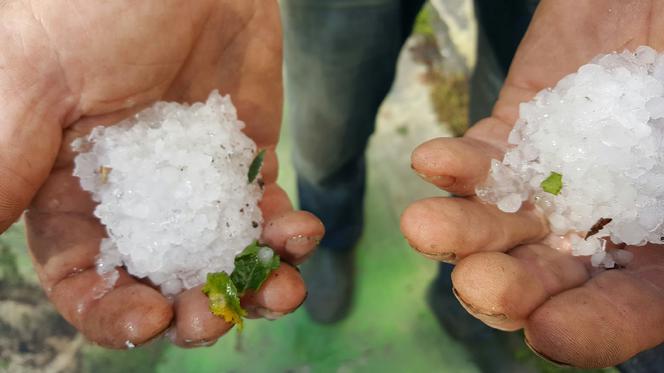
340,58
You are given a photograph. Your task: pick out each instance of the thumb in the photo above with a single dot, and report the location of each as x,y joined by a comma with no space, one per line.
459,164
30,136
35,103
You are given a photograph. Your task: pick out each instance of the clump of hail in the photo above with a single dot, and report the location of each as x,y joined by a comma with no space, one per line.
172,191
589,154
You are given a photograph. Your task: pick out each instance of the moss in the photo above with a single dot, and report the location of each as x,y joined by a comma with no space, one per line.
422,24
450,97
9,273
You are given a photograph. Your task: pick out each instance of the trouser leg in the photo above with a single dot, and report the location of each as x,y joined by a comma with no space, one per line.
340,58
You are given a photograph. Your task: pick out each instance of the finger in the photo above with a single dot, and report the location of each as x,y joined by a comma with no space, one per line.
282,293
502,290
36,104
129,314
293,234
84,125
64,237
63,248
270,168
62,193
275,202
28,149
448,229
458,165
195,325
614,316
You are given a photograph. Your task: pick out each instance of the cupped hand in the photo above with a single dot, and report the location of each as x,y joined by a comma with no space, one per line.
66,67
506,275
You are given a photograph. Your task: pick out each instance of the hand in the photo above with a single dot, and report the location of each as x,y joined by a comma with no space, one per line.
66,67
505,273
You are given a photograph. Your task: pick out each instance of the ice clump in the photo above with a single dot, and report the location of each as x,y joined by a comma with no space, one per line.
173,192
602,129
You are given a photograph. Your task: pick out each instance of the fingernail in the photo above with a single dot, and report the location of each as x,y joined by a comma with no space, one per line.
482,315
439,180
201,343
302,244
542,356
450,258
268,314
445,257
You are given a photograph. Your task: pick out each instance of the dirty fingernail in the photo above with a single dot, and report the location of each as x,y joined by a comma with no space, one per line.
201,343
439,180
561,364
450,258
486,317
446,257
268,314
301,245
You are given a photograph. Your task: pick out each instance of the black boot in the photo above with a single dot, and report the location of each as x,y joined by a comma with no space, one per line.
329,275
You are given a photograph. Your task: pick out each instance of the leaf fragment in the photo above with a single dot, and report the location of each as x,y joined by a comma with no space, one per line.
553,184
255,166
103,172
597,227
224,300
252,267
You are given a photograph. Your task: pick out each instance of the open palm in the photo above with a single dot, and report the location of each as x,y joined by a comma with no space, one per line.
505,273
66,67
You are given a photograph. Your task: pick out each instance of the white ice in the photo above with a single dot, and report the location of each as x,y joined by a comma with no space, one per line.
602,129
173,193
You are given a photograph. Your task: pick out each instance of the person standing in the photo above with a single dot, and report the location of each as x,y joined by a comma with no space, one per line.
341,58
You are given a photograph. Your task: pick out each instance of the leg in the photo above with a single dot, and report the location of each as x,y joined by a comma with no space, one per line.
340,59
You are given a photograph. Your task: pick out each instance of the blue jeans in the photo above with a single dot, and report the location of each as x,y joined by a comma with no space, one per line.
341,60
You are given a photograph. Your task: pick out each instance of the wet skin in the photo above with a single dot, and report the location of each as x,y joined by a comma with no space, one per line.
66,67
505,273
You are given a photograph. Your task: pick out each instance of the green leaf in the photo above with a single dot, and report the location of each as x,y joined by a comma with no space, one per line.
553,184
256,166
253,266
224,300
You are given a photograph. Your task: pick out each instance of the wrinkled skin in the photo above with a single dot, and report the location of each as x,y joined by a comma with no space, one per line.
68,66
505,273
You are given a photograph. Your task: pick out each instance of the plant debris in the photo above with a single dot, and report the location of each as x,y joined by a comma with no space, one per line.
597,227
252,267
